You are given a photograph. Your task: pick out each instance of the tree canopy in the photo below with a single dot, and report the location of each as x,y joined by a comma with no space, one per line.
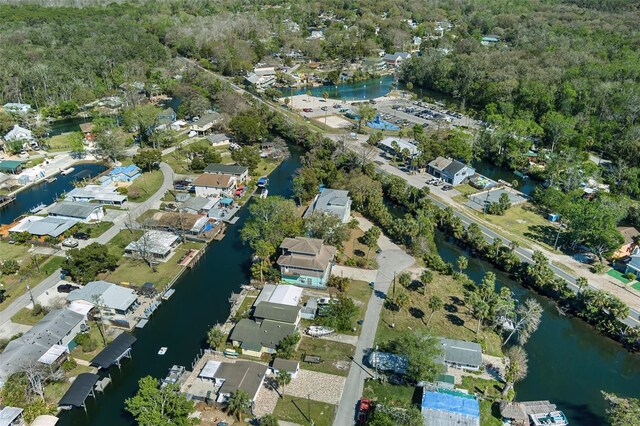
155,406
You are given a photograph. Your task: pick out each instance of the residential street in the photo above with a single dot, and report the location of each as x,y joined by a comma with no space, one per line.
391,260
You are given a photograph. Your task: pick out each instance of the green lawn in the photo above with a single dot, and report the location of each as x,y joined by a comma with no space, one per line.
636,286
355,251
618,276
94,229
94,332
298,410
15,252
466,189
16,285
59,143
360,292
388,394
25,316
145,186
329,351
121,240
54,391
491,389
454,321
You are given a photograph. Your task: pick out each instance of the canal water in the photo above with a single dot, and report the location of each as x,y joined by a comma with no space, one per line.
496,173
67,125
569,362
47,192
181,323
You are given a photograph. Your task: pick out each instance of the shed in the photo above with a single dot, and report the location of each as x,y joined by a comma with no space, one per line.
80,389
290,366
11,166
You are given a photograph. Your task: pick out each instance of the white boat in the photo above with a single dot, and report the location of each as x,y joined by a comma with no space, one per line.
317,331
175,374
67,171
264,193
162,351
52,179
168,294
553,418
37,208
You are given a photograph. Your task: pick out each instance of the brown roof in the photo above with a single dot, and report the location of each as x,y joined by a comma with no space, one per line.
628,232
214,181
318,262
513,410
302,245
87,127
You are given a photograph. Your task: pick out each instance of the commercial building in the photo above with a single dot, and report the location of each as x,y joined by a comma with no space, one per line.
306,262
395,146
331,201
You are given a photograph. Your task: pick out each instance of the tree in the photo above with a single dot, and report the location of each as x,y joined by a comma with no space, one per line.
264,250
370,238
581,283
269,420
110,143
215,337
147,159
271,219
339,314
462,263
527,320
365,113
434,304
76,142
283,378
155,406
517,368
557,128
622,411
339,283
239,403
248,127
248,156
404,279
426,277
327,227
10,267
85,264
287,346
142,119
422,351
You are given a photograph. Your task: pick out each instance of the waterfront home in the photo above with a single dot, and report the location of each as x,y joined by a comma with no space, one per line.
165,118
196,205
30,175
241,173
633,264
87,130
306,262
233,376
290,366
11,166
214,185
451,171
261,77
124,174
281,294
461,354
179,222
47,342
84,212
218,139
396,59
630,235
16,108
96,194
19,134
331,201
388,362
205,123
449,407
110,298
43,226
156,245
11,416
395,146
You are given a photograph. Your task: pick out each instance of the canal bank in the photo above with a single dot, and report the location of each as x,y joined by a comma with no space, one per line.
181,323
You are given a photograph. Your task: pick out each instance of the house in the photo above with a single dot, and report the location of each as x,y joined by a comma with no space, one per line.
125,173
260,82
633,266
87,130
385,361
157,245
489,40
214,185
283,294
52,335
449,407
233,376
316,35
19,134
241,173
206,122
417,41
306,262
44,226
290,366
11,166
395,146
196,205
84,212
218,139
166,117
31,174
630,235
396,59
111,299
180,222
11,416
97,194
461,354
16,108
331,201
451,171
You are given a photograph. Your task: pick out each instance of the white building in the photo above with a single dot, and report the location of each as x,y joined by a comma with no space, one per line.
19,134
157,245
84,212
17,108
112,299
96,194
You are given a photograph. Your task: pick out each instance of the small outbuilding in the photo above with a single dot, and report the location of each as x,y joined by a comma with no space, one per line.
290,366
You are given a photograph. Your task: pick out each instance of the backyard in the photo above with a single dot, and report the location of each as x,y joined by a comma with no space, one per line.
333,354
30,273
298,410
54,391
145,186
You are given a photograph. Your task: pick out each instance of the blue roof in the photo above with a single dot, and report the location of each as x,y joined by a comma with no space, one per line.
130,170
262,180
226,201
451,403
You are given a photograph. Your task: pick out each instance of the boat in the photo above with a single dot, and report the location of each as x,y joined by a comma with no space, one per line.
175,374
264,193
37,208
51,179
67,171
162,351
168,294
230,354
553,418
520,174
317,331
263,182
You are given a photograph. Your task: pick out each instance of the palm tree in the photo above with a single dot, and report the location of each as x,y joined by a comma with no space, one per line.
283,378
435,304
325,96
269,420
215,337
309,95
404,279
365,113
426,277
239,403
517,368
582,283
462,263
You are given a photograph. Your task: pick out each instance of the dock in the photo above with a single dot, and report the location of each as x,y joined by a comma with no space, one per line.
142,323
168,294
191,258
6,200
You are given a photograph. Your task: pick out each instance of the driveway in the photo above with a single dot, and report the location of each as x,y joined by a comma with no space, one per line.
357,274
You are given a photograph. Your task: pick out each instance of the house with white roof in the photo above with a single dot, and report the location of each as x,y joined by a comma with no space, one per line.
96,194
396,59
84,212
19,134
331,201
388,145
16,108
43,226
111,299
157,245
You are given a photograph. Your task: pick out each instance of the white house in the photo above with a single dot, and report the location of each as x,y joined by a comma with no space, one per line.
214,185
396,59
17,108
111,298
85,212
241,173
157,245
19,134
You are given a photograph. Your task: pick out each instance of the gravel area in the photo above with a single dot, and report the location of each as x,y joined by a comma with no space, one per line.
319,386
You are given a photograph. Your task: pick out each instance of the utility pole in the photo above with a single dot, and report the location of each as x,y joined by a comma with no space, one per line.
393,311
33,302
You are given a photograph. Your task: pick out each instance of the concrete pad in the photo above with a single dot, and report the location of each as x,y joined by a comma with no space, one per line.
357,274
341,338
335,122
10,328
52,296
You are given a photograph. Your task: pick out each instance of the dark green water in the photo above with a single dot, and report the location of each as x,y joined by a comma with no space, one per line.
47,192
66,125
181,323
569,362
495,173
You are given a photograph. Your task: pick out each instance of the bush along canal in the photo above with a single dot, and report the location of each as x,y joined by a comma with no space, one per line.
47,192
181,323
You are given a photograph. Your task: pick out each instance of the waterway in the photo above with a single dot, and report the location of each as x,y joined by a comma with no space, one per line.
66,125
496,173
181,323
47,193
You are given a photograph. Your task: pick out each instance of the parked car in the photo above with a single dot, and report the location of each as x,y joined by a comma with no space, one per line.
66,288
81,236
447,187
70,242
307,109
324,108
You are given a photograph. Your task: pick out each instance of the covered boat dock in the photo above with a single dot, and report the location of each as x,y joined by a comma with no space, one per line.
114,352
80,389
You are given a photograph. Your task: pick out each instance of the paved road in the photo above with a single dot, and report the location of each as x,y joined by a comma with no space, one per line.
53,279
391,260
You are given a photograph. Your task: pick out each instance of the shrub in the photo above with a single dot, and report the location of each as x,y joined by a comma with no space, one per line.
86,342
69,365
630,276
38,309
10,267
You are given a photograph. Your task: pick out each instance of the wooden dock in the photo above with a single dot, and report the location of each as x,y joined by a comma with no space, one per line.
191,258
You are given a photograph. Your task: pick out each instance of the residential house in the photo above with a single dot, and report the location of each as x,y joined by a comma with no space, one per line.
306,262
262,77
388,362
84,212
97,194
241,173
196,205
316,35
233,376
205,123
290,366
331,201
110,298
52,335
450,171
395,146
165,118
87,130
11,166
214,185
19,134
11,416
461,354
489,40
31,174
630,235
156,245
16,108
218,139
280,294
125,173
633,265
396,59
44,226
417,41
449,407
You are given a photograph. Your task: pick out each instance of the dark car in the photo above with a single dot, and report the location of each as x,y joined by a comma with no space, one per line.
447,187
81,236
66,288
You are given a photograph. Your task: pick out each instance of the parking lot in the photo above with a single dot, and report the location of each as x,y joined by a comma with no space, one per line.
405,112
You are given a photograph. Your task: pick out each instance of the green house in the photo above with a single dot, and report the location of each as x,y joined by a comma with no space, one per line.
306,262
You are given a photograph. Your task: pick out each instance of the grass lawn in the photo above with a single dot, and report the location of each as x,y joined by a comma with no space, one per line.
618,276
53,392
248,301
297,410
145,186
59,143
16,285
353,249
17,252
454,321
491,389
144,217
389,394
636,286
360,292
329,351
466,189
95,335
94,229
25,316
121,240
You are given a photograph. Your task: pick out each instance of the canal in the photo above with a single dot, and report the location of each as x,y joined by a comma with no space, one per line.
47,192
181,323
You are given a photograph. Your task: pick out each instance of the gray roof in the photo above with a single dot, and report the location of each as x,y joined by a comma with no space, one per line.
334,201
49,331
73,209
309,254
226,169
461,352
211,117
440,163
254,336
276,312
386,361
245,375
454,167
197,203
285,364
217,137
51,226
9,414
111,296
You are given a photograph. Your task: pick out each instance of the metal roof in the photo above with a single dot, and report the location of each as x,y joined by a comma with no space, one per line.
114,351
41,226
267,334
461,352
110,295
79,390
209,370
129,171
73,209
334,201
9,414
229,169
277,312
245,375
444,409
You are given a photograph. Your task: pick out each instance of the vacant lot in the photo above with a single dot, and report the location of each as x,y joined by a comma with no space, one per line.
145,186
298,410
335,355
30,274
390,394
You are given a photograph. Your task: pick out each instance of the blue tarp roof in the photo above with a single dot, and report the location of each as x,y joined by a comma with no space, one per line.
226,201
450,403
